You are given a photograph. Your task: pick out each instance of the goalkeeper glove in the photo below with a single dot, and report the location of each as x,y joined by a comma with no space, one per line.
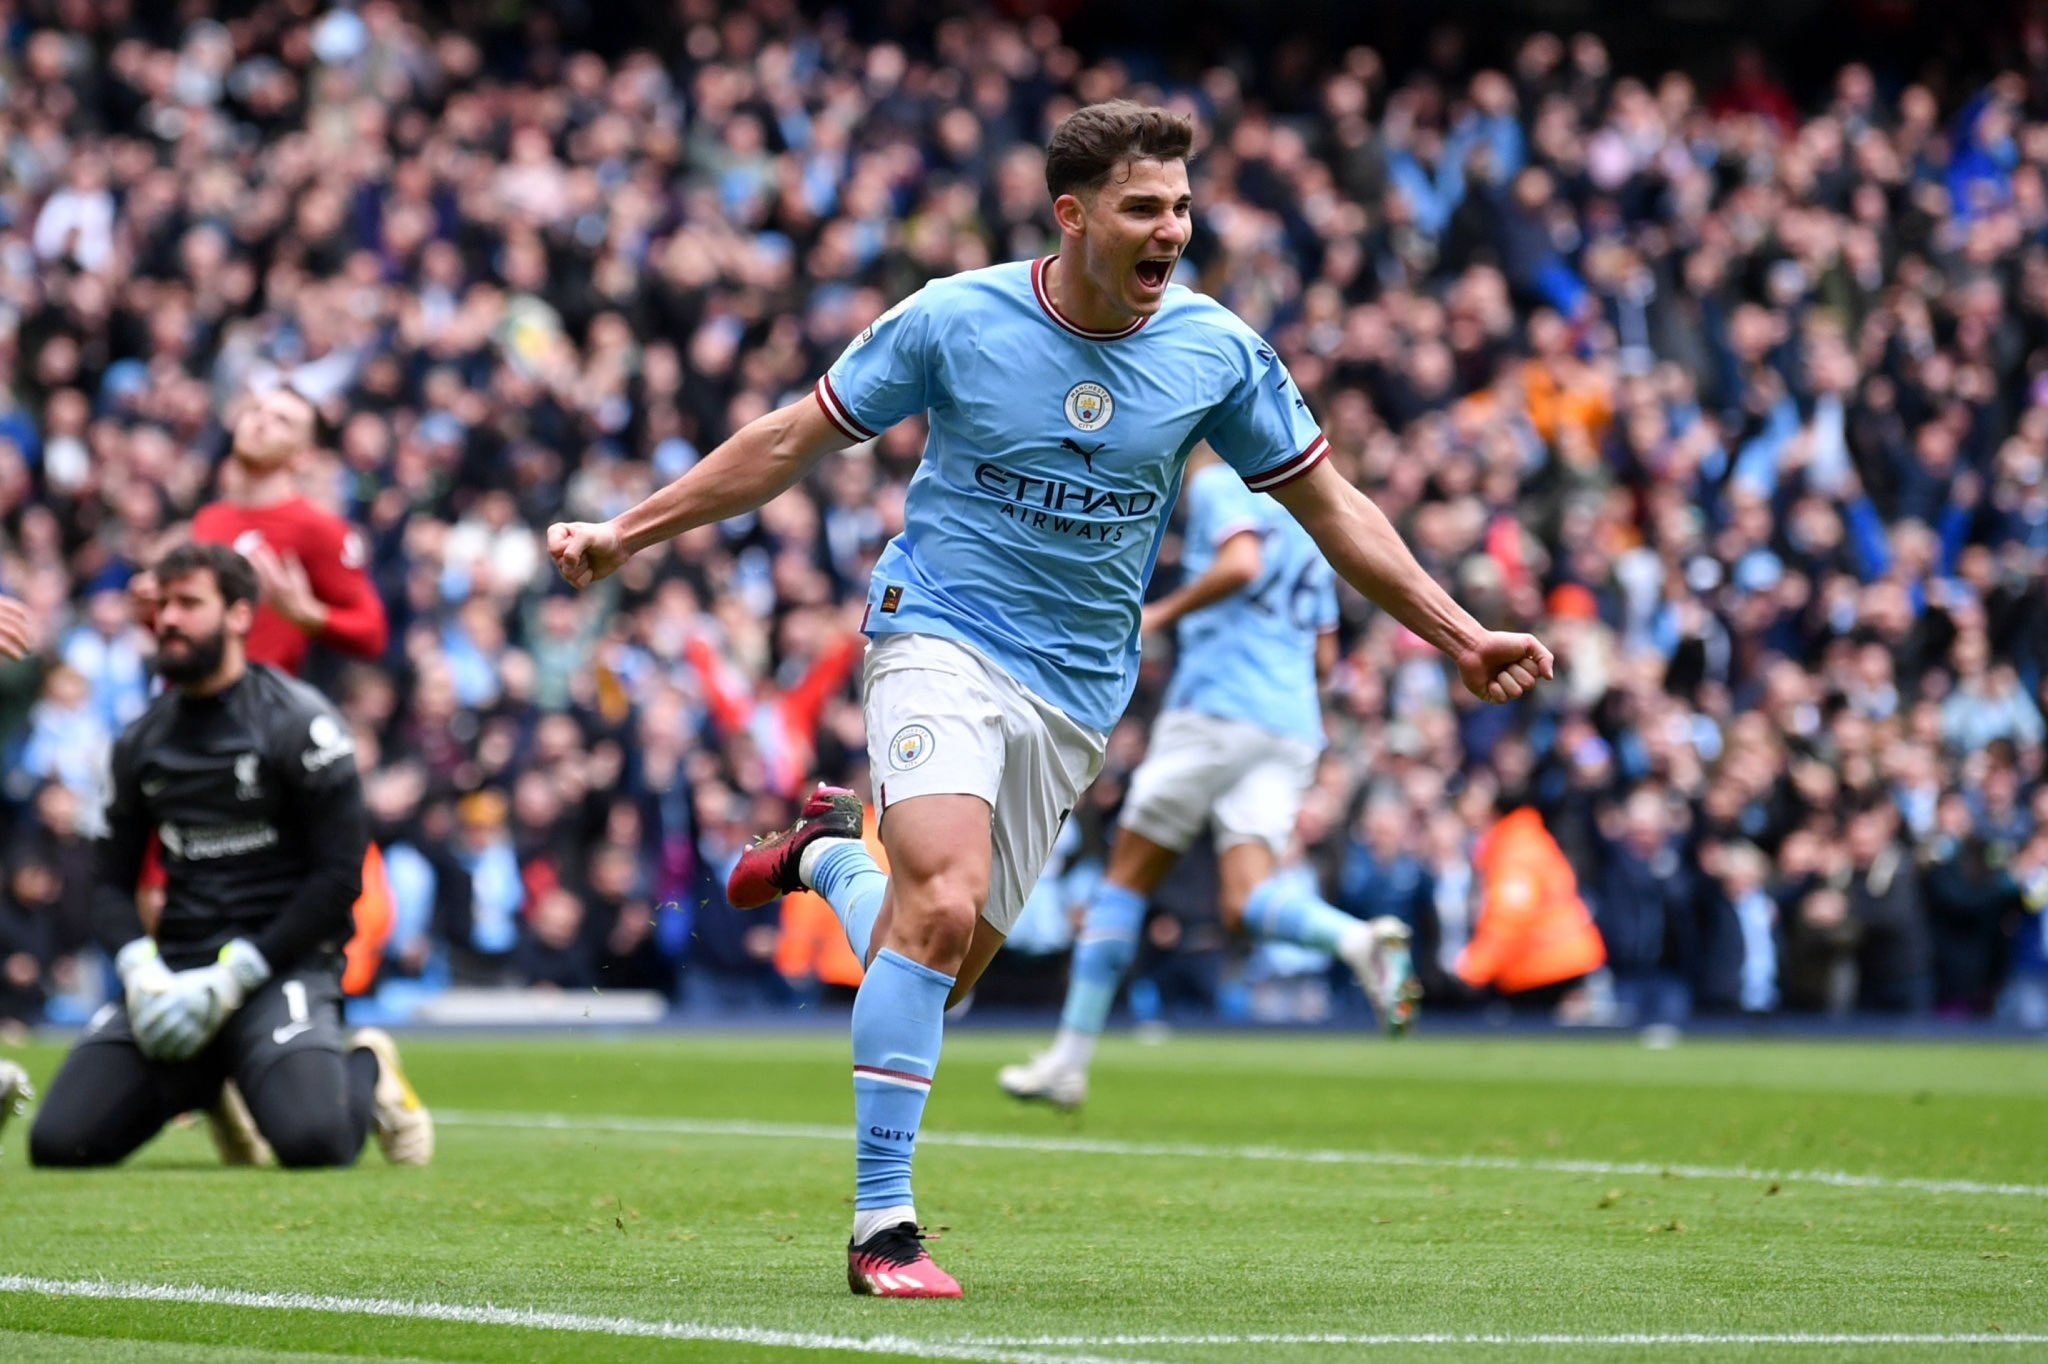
176,1023
142,973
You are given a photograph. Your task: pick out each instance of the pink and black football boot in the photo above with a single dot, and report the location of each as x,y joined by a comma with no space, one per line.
768,868
893,1263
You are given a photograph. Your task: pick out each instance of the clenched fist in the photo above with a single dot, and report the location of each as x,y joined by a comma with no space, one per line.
585,551
1501,667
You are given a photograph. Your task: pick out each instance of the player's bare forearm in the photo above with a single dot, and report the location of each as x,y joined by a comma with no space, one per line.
1363,546
762,459
1367,552
1236,567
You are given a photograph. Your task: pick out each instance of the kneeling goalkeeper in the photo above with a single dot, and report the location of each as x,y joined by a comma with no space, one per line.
249,780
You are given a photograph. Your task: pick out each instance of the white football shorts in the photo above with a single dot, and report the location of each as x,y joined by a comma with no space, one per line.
943,720
1202,770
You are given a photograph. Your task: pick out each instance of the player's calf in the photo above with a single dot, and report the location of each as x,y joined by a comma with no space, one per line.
315,1140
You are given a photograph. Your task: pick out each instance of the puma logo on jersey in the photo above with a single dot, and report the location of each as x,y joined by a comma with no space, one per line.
1087,454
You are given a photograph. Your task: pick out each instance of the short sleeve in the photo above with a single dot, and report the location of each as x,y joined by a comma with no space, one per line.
1264,429
883,376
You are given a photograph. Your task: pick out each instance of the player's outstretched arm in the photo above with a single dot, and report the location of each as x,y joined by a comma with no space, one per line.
1363,546
761,460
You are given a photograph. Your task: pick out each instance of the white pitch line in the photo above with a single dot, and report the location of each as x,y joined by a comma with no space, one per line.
901,1347
1090,1146
974,1349
1673,1338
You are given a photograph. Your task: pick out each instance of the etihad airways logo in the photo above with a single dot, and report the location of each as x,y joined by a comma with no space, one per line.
1055,504
1058,495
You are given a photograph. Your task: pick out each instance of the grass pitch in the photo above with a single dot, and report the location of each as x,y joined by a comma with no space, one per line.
1278,1198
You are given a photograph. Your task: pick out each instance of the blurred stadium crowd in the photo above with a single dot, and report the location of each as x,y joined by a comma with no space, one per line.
1740,399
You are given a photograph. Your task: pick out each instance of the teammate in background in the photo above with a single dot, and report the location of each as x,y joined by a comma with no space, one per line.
249,778
1064,396
1236,747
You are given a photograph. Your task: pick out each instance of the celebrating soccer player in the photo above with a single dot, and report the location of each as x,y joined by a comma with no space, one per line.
1064,396
249,778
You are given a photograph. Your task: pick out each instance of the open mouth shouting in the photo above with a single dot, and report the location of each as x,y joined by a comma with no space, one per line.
1153,272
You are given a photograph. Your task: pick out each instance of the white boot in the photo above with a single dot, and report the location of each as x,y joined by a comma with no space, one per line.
405,1130
1043,1079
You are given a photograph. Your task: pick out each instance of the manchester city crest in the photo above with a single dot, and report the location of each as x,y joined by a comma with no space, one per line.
1089,406
911,746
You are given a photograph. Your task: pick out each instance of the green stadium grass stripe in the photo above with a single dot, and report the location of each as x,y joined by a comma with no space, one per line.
900,1347
1090,1146
1673,1339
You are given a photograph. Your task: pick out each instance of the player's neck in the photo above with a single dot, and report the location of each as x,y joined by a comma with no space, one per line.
267,489
1079,301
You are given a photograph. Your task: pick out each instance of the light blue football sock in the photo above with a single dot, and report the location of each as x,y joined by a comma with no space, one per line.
898,1021
847,876
1107,945
1291,912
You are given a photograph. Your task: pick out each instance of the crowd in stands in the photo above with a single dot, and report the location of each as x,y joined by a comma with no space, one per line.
1737,395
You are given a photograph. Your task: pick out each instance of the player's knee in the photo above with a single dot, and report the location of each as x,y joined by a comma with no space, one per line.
309,1143
57,1144
936,924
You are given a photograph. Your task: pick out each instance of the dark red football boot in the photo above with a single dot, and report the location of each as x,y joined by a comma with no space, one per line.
768,868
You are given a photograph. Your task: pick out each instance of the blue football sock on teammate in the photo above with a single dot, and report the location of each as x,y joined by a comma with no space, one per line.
1105,949
1292,912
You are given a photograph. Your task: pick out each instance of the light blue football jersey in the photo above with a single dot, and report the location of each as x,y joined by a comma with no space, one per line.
1054,456
1252,656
